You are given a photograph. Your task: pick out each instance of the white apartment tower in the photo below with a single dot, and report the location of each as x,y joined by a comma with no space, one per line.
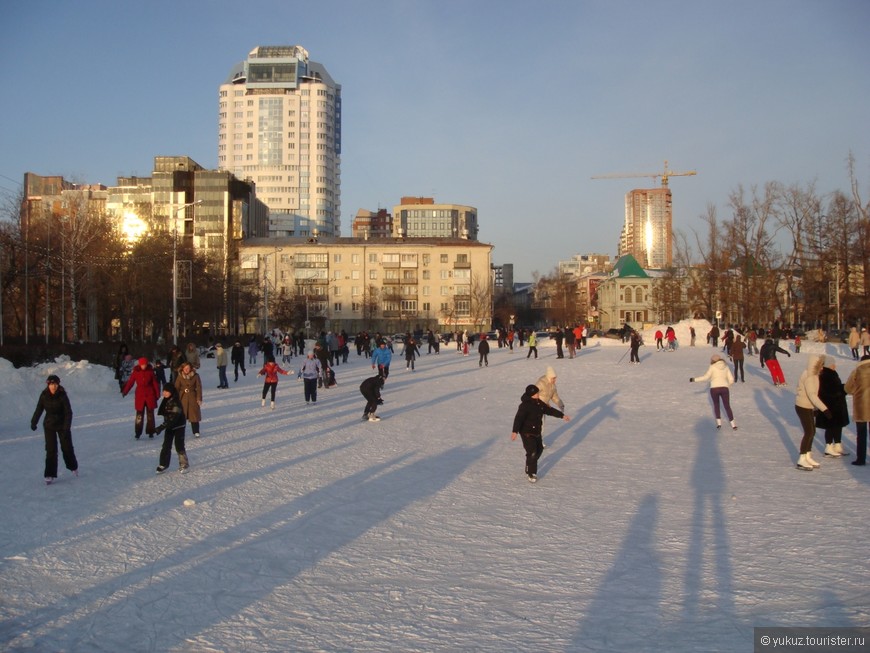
279,125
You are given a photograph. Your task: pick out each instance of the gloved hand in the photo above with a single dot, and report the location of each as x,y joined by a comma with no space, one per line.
789,355
691,379
160,429
380,402
32,426
828,414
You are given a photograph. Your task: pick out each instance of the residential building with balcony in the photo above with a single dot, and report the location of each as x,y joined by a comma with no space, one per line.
385,285
279,125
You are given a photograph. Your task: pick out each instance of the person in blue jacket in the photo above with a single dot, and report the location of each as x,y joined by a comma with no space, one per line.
381,358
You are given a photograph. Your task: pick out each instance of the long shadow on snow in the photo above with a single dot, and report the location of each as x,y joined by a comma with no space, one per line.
394,485
595,413
626,608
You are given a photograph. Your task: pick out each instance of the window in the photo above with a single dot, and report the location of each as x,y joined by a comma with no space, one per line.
373,274
354,274
462,258
444,258
336,307
354,258
373,258
638,296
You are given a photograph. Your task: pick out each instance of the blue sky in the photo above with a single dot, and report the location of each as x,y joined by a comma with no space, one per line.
507,106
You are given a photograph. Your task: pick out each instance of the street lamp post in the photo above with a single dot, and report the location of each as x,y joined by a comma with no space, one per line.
266,285
175,268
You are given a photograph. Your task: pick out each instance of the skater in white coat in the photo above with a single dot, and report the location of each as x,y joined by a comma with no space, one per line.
720,378
805,403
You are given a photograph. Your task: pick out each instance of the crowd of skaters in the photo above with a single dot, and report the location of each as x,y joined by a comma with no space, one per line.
819,403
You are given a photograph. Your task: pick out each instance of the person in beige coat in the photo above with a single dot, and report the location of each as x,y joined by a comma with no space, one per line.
805,404
548,392
189,387
854,341
858,385
865,341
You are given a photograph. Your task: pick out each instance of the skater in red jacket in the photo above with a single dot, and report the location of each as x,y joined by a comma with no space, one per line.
147,393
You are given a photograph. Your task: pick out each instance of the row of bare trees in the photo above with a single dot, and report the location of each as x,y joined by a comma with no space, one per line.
67,274
782,252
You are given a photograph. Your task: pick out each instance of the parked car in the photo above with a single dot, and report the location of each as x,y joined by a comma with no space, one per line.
616,334
541,335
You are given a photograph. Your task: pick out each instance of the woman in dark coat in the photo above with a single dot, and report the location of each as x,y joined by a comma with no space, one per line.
833,395
527,422
56,426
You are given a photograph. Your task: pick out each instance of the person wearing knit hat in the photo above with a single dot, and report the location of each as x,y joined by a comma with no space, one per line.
833,395
145,399
549,394
54,402
528,422
720,377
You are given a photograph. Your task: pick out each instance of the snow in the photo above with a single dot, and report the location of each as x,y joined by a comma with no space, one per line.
306,529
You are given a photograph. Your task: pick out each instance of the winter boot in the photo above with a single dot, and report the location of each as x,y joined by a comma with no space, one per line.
733,425
831,452
804,464
263,402
272,405
183,463
838,447
812,461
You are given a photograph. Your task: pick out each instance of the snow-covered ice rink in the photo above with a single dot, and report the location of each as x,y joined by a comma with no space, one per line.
306,529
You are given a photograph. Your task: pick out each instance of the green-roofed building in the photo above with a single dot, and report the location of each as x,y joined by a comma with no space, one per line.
625,296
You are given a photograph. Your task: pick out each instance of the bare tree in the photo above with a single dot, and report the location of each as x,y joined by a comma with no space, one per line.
752,258
861,247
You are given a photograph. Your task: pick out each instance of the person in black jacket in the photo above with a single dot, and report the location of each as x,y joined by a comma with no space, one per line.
56,426
767,356
371,390
237,358
483,350
527,423
174,422
833,395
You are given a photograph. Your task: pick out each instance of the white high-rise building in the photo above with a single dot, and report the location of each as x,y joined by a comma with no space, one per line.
279,126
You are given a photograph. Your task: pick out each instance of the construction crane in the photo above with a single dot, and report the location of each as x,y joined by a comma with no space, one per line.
665,174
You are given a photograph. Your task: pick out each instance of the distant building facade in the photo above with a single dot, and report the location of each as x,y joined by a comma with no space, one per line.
647,232
372,224
386,285
421,217
626,295
279,125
